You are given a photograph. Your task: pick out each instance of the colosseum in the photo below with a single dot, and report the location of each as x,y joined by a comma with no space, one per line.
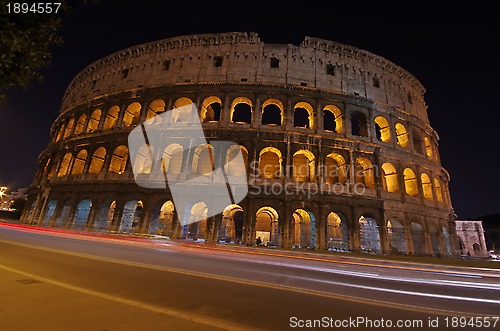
338,152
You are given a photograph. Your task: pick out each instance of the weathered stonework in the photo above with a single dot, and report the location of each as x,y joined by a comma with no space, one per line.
346,130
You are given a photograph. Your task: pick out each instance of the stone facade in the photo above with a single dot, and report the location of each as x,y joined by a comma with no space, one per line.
355,161
471,241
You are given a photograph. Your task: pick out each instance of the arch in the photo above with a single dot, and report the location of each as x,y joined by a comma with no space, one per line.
272,112
426,186
119,160
186,114
162,221
69,128
270,163
155,108
111,117
396,237
97,162
439,192
203,160
62,220
335,169
411,186
241,111
132,114
303,166
383,130
60,132
303,115
337,232
417,142
94,120
195,222
131,217
267,226
80,124
364,173
65,165
82,214
332,119
105,215
211,109
79,162
418,235
303,229
390,177
49,212
144,160
369,237
235,165
231,229
477,249
359,125
171,160
428,148
401,135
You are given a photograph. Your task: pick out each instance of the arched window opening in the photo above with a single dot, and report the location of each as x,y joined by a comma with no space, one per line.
69,128
270,163
369,236
236,161
241,111
267,226
80,124
418,235
172,159
162,222
427,187
144,160
303,115
417,142
428,148
303,230
203,160
94,120
303,166
332,119
411,186
111,117
396,236
401,135
79,163
131,217
231,229
359,126
335,169
364,173
97,161
119,160
60,133
272,112
184,111
337,234
196,218
156,107
390,178
211,109
132,114
65,164
439,192
82,214
383,130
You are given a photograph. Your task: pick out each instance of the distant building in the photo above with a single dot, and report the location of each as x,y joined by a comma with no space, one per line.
471,240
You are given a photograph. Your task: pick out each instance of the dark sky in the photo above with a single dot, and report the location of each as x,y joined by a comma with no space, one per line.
450,48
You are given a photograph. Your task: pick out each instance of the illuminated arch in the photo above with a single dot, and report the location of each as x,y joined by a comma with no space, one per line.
231,229
270,160
203,160
143,162
401,135
131,217
97,161
241,111
411,186
364,172
211,109
94,120
234,165
337,234
427,186
111,117
272,112
172,159
65,164
267,225
383,130
439,192
303,166
79,162
183,115
80,124
132,114
369,236
332,119
428,148
390,177
335,169
69,128
119,160
303,115
303,229
156,107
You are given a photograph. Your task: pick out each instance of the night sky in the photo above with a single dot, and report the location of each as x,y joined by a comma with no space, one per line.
450,48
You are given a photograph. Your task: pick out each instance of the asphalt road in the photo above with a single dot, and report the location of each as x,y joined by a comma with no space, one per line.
219,287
